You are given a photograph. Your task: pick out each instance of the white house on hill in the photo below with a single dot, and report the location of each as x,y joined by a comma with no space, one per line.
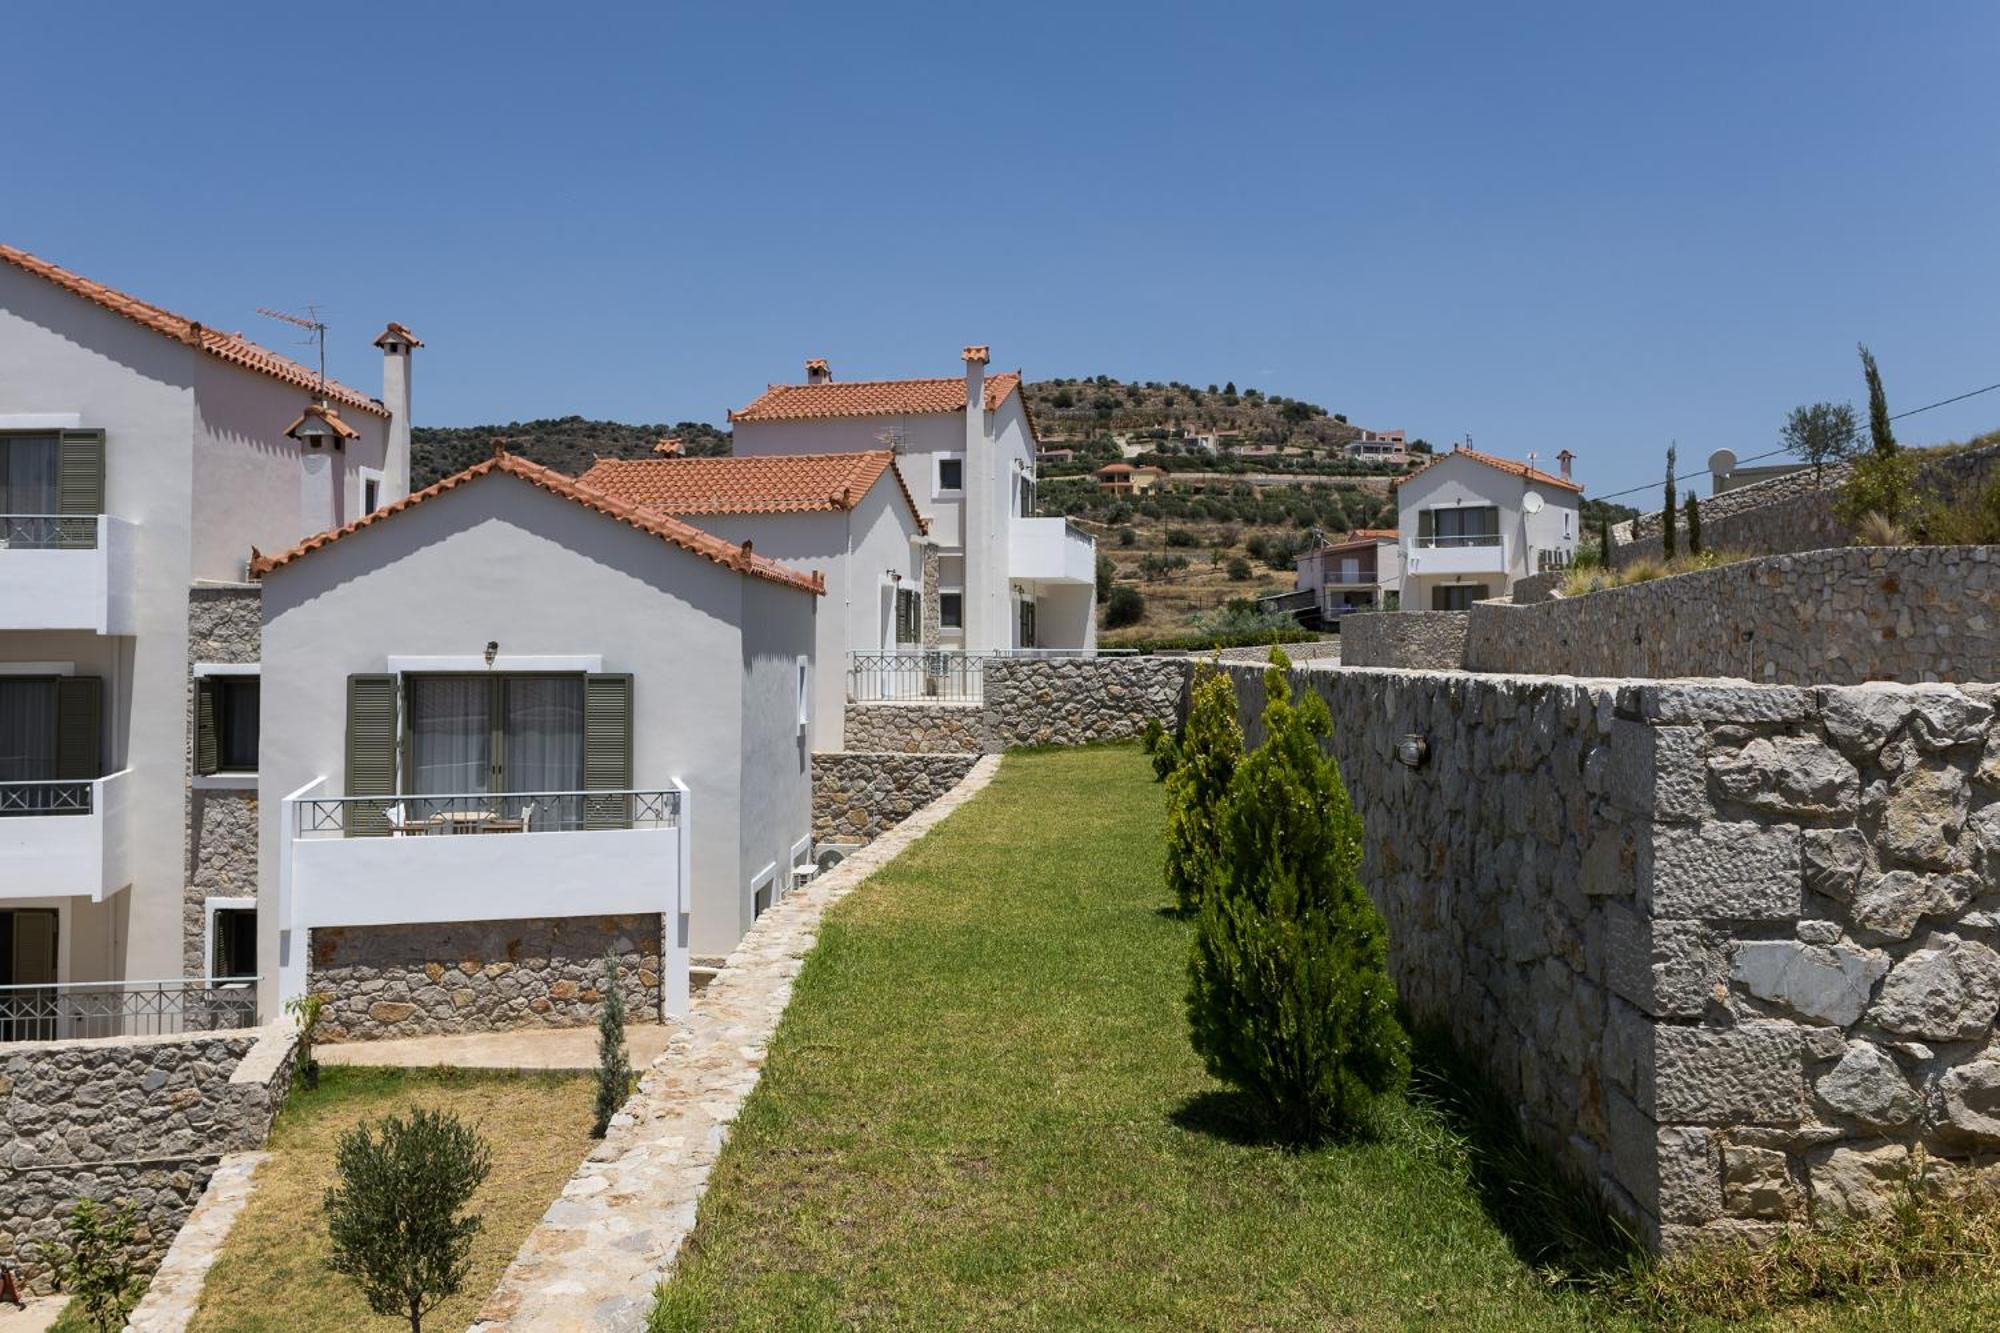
1003,579
1472,524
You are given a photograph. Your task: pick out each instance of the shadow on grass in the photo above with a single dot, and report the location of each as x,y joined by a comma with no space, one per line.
1174,912
1228,1115
1553,1221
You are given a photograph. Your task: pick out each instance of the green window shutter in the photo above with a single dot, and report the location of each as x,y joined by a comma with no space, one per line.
80,486
207,748
607,749
79,728
371,750
1426,525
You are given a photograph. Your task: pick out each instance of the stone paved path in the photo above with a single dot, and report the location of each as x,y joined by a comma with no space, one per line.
595,1257
539,1049
175,1290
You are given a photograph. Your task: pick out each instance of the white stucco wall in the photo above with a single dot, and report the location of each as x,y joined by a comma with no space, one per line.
505,561
1460,481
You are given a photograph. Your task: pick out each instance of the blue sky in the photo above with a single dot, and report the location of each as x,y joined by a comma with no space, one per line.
1590,226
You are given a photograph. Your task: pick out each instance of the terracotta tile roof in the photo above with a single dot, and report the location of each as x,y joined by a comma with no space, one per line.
749,484
664,526
1374,534
1507,465
1357,538
323,412
398,333
872,398
231,347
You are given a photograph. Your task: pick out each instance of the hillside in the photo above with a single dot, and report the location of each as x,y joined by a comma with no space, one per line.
1074,411
567,444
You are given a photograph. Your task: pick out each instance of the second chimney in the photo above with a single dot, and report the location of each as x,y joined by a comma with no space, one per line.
817,372
1564,459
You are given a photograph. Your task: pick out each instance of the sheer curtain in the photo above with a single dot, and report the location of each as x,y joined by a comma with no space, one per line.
450,735
27,486
27,730
544,729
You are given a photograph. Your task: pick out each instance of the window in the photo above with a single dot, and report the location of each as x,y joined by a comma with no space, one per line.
909,616
805,692
763,891
232,937
371,494
1458,596
951,608
475,735
1027,617
49,734
51,488
225,723
950,474
28,471
1468,525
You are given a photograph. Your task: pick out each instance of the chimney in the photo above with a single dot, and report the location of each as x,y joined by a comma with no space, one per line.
396,342
984,600
668,447
1564,459
817,372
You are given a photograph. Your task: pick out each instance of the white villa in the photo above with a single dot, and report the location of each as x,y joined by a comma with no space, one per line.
1002,579
1359,571
849,517
142,454
1473,524
514,722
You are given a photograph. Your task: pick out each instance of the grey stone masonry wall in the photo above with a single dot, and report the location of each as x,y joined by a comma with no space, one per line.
480,976
1538,587
1078,701
918,728
140,1120
1835,617
858,796
1733,950
1433,640
225,624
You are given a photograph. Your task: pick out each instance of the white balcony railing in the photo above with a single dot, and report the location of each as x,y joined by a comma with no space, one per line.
1050,550
65,839
66,572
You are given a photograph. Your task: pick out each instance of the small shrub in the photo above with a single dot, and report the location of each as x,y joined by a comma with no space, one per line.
1128,537
1289,996
1874,530
1880,483
1127,606
1211,746
394,1217
305,1011
1162,746
614,1070
1694,524
1238,569
1182,537
95,1266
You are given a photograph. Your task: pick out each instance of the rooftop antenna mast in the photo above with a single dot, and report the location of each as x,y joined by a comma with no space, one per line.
315,334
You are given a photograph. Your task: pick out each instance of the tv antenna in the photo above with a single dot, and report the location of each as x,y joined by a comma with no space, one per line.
315,334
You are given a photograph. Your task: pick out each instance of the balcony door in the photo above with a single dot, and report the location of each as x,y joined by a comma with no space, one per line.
29,498
499,736
1468,525
49,742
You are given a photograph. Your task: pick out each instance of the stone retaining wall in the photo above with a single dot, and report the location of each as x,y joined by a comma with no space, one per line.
1433,640
480,976
225,624
858,796
1538,587
1078,701
141,1120
918,728
1731,949
1836,617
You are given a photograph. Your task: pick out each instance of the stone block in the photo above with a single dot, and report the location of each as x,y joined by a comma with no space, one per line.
1834,860
1946,993
1758,1183
1742,872
1669,969
1970,1095
1868,1087
1824,985
1926,809
1795,775
1750,1074
1946,718
1893,903
1850,1183
1704,702
1861,718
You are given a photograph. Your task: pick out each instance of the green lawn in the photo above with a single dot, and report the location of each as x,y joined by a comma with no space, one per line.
981,1111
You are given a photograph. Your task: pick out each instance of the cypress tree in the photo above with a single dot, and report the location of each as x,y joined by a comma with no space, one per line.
1879,429
1694,524
1667,510
1604,540
1289,996
614,1070
1211,746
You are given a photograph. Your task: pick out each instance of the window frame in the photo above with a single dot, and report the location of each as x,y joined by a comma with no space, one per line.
225,673
498,779
210,909
938,489
945,623
805,691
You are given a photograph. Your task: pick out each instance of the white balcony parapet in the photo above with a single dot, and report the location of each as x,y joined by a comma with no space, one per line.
1458,555
65,839
1050,550
64,572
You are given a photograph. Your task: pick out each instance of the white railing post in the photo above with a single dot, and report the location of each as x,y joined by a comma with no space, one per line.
674,1002
291,949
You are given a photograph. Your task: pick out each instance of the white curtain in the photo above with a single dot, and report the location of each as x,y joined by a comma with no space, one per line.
28,474
544,728
450,735
27,730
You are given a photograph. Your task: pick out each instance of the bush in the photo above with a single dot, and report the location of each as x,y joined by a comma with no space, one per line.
1182,537
305,1011
1127,537
614,1071
1127,606
1880,483
1211,746
95,1267
1208,643
1289,995
394,1217
1239,569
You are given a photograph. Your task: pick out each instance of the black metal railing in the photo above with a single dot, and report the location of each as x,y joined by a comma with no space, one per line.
460,813
44,798
40,532
64,1010
944,677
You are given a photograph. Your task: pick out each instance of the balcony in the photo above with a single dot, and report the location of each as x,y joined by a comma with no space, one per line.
68,1010
65,839
67,572
1483,553
1050,550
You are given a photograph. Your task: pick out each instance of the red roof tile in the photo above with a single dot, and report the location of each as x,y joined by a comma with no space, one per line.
1507,465
667,528
231,347
872,398
750,483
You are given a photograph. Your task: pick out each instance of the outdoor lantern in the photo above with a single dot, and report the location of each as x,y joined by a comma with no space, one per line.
1412,750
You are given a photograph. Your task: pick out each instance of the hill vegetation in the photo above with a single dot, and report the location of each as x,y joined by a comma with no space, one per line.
1075,411
567,444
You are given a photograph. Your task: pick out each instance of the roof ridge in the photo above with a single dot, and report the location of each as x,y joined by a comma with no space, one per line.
752,483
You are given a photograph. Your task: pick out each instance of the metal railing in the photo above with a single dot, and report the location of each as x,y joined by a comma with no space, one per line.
41,532
942,675
45,798
461,813
1461,539
1550,559
60,1011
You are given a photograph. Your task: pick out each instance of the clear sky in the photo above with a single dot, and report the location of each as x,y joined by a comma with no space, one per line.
1599,226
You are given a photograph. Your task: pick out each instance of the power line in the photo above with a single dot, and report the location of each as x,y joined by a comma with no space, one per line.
1773,453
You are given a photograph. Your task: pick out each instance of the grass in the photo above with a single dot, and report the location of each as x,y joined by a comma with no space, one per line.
981,1111
1596,578
272,1273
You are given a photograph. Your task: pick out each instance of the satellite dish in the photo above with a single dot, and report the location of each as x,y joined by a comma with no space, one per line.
1532,502
1722,462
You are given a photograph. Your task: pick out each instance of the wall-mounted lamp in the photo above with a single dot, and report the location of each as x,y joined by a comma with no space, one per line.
492,650
1412,751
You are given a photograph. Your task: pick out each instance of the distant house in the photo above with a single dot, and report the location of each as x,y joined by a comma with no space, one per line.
1386,446
1472,524
1360,571
1053,456
1125,478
